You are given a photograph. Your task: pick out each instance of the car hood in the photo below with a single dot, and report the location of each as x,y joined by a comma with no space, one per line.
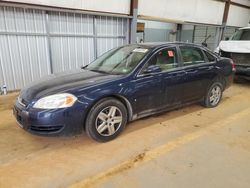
235,46
63,82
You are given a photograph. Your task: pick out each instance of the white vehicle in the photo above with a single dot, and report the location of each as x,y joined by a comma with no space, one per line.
237,47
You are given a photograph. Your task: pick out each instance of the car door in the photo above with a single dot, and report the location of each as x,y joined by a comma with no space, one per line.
172,76
198,72
147,93
160,90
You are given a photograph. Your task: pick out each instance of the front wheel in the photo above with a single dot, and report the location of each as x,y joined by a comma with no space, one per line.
214,95
106,120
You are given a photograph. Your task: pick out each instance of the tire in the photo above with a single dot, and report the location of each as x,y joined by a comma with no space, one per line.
106,120
215,90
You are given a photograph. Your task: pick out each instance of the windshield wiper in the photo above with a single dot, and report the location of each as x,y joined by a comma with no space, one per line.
84,66
99,71
104,72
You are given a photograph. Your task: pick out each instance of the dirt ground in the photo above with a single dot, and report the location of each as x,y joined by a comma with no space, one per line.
190,147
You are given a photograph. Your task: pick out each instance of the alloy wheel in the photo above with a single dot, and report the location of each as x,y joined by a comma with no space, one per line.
108,121
215,95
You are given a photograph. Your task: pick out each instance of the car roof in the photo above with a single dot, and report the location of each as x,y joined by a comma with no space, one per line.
163,44
157,45
245,28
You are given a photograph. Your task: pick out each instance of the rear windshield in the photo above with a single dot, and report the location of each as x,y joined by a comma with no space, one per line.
243,34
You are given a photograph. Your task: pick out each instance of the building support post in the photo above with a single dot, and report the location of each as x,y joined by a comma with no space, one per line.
218,37
133,21
179,30
225,17
49,42
95,37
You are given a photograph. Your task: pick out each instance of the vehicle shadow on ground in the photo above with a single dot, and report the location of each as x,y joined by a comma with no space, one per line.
16,143
241,81
163,116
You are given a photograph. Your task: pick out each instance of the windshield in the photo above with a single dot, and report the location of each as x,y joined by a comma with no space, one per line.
243,34
120,60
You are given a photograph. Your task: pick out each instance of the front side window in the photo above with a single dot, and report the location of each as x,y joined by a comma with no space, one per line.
166,59
243,34
191,56
121,60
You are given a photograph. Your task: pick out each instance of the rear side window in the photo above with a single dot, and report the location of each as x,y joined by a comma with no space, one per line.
210,57
191,56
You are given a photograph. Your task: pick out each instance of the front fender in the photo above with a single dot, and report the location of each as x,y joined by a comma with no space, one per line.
120,91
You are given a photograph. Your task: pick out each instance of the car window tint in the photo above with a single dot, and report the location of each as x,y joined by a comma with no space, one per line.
166,59
210,57
191,56
245,35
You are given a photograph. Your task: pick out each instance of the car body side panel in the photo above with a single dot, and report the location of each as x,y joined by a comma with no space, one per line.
173,87
147,92
197,79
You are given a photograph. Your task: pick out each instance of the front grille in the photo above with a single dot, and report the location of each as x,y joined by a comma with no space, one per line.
22,102
46,129
238,58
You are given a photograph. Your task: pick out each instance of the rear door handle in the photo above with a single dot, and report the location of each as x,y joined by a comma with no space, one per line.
178,74
191,71
205,68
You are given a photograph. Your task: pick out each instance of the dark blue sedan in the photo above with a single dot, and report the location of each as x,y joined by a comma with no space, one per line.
124,84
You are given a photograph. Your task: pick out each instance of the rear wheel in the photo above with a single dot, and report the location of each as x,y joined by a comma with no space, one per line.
213,96
106,120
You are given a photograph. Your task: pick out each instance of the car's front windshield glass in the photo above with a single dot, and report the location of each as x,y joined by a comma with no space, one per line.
120,60
243,34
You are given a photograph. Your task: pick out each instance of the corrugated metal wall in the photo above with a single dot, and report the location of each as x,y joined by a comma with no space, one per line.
35,43
23,46
111,32
71,38
229,31
202,32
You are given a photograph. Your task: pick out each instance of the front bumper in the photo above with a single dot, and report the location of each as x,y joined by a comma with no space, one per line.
243,71
54,122
242,62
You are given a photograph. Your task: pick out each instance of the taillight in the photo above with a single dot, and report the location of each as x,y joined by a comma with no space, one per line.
233,65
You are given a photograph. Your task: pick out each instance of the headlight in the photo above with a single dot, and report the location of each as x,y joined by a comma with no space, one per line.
62,100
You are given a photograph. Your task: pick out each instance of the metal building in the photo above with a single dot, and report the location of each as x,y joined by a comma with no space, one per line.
202,33
35,43
38,38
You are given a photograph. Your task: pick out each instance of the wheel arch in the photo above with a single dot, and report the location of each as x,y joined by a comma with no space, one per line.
120,98
220,78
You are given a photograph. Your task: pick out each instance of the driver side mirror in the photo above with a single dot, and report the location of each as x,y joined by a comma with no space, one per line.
152,69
